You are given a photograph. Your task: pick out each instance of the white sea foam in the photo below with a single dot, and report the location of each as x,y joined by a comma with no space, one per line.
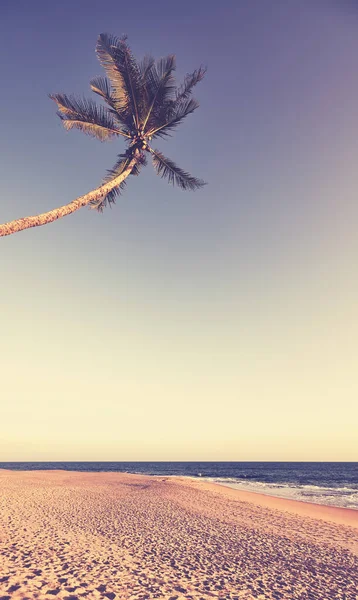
342,497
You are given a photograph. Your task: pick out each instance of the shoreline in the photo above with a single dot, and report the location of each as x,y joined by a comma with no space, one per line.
334,514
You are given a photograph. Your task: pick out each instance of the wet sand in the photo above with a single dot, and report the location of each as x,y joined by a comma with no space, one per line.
70,535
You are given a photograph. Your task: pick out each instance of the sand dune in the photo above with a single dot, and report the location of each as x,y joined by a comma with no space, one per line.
111,536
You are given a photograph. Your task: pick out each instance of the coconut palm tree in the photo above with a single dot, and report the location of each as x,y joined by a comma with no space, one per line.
142,104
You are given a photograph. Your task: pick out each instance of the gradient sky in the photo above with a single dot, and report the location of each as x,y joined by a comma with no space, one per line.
216,325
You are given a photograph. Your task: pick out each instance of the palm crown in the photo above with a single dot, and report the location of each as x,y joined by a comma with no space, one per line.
143,103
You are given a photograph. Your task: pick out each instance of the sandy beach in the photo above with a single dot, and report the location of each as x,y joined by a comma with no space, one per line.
67,535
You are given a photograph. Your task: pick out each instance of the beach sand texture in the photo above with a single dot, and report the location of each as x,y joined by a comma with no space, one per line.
67,535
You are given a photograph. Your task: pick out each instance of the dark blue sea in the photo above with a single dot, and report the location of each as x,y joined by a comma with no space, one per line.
334,484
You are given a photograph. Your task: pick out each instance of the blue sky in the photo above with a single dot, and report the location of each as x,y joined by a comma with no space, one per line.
219,324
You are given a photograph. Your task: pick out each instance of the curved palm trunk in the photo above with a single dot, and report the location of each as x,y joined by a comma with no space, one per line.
67,209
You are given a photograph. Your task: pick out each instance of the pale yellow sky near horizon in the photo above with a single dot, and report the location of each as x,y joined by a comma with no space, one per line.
266,376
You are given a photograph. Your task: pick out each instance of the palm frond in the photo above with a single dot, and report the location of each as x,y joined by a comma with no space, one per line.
104,51
175,175
102,87
190,81
120,166
144,66
132,77
172,114
160,86
86,116
123,71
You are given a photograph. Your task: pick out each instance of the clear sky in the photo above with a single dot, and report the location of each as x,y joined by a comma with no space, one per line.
215,325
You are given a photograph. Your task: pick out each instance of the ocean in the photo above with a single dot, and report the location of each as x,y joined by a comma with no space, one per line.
330,483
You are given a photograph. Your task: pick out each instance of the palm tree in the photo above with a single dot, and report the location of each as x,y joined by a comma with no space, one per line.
142,104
